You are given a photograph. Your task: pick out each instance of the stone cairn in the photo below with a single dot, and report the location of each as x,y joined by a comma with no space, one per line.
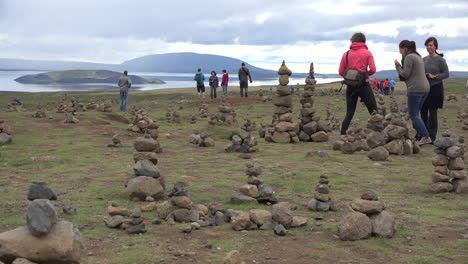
255,190
353,141
311,127
463,117
173,116
367,217
203,110
381,108
44,239
201,140
243,141
5,133
142,123
70,116
282,129
449,165
226,114
15,106
105,106
322,201
193,119
147,183
123,218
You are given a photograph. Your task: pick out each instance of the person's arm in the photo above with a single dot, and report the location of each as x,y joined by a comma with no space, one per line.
129,82
444,70
203,77
239,73
250,77
406,72
371,63
342,69
195,77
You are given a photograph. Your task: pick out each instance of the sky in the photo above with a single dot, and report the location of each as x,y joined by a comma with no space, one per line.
260,32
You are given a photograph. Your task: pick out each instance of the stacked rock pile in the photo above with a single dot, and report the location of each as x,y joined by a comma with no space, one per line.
92,106
368,217
201,140
449,165
76,105
243,141
263,128
123,218
255,190
203,110
282,129
142,123
5,133
105,106
311,127
44,239
70,116
353,141
322,202
381,108
463,117
226,113
193,119
173,116
15,106
148,183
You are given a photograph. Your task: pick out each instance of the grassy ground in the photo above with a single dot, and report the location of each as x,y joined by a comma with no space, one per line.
74,160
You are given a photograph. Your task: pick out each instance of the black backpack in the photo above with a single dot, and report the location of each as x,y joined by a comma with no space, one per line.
199,80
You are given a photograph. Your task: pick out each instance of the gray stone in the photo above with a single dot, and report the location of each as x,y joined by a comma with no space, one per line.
136,229
378,154
114,221
143,186
443,142
369,195
146,144
354,226
281,213
455,152
268,226
40,217
280,230
242,199
367,206
185,215
5,138
146,168
40,190
318,206
323,188
266,194
69,210
383,224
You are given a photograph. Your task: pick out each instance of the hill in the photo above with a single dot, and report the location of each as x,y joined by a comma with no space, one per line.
80,76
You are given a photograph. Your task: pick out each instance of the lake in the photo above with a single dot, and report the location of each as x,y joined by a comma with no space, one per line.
173,80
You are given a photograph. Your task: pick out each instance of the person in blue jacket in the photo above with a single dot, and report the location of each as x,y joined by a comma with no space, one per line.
200,78
392,85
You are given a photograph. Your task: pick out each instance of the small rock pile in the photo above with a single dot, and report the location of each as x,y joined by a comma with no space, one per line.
263,128
255,190
452,98
123,218
311,127
44,239
116,142
353,141
92,106
449,165
282,129
243,141
381,108
173,116
5,133
322,202
464,118
105,106
226,114
76,105
70,116
39,114
142,123
193,119
201,140
15,106
203,110
368,217
148,183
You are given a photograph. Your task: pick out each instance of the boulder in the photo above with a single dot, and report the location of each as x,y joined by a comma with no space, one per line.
281,213
5,138
378,154
165,209
440,187
40,217
142,187
320,136
145,144
395,147
62,245
249,190
242,221
146,168
354,226
383,224
185,215
367,206
182,202
376,139
281,137
260,217
395,132
40,190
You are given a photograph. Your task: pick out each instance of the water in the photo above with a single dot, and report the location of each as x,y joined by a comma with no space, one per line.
173,80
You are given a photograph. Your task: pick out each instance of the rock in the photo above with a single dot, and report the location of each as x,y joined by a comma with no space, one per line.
443,142
249,190
113,221
354,226
319,206
203,211
151,156
194,139
455,152
136,229
337,145
114,210
378,154
281,137
280,230
165,209
145,144
440,187
310,128
376,139
242,199
146,168
242,222
21,261
40,190
440,160
395,132
460,186
437,177
299,221
142,186
62,245
323,188
383,224
456,164
281,213
458,174
149,207
232,257
284,126
321,197
266,194
260,217
208,142
254,180
317,153
369,195
285,101
185,215
156,221
182,202
253,171
441,170
69,210
348,148
320,136
40,217
366,206
407,147
395,147
5,138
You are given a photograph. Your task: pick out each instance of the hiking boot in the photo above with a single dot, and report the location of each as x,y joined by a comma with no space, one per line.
424,140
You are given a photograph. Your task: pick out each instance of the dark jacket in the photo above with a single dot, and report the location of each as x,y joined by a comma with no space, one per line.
214,81
244,74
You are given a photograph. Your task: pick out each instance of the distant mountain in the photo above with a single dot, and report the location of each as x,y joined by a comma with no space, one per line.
81,76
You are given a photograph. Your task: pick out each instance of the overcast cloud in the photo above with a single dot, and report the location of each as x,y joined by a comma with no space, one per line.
261,32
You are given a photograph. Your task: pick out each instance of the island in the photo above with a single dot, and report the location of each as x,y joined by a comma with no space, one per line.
82,76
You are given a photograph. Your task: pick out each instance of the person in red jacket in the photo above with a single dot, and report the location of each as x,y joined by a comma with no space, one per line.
361,59
387,87
224,82
375,84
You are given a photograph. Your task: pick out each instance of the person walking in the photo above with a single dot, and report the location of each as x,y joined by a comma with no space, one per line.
244,77
358,58
200,79
411,70
387,87
124,84
392,85
224,82
375,83
436,70
214,83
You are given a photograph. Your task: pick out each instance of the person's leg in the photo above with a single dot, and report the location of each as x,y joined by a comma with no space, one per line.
432,125
351,101
125,101
241,86
215,88
425,113
121,100
415,102
368,98
211,92
246,90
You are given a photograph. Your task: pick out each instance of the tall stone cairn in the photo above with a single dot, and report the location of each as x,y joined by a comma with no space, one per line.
449,165
322,201
282,129
311,127
142,123
381,108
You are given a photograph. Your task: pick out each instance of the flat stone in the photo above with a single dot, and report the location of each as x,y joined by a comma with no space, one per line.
366,206
242,199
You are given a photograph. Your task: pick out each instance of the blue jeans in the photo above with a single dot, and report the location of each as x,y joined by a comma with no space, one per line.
213,92
123,100
225,91
415,103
